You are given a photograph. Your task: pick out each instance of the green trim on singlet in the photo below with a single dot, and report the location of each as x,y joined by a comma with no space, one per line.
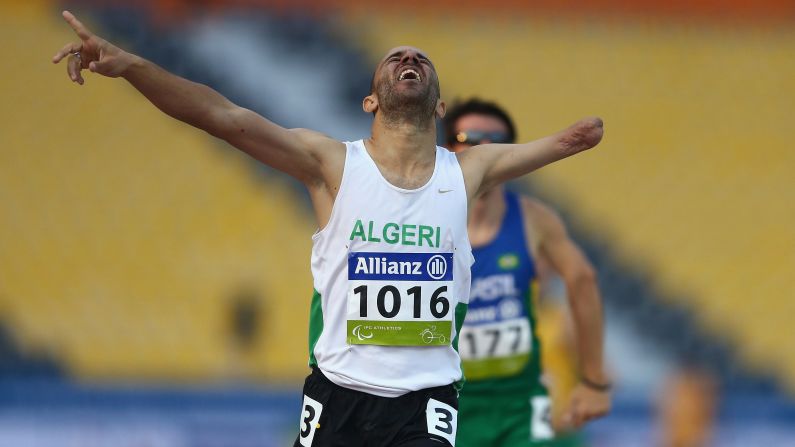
315,325
526,380
460,315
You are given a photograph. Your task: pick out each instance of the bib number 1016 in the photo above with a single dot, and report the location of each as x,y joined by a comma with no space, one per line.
389,301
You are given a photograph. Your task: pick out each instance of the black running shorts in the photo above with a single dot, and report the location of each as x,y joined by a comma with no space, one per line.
333,416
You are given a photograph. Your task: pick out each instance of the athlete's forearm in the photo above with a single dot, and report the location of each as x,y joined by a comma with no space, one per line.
190,102
586,310
509,161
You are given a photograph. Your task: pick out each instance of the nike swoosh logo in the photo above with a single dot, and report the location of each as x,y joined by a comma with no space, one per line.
442,191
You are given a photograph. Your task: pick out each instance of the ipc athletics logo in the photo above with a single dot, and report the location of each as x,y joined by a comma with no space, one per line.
436,267
357,331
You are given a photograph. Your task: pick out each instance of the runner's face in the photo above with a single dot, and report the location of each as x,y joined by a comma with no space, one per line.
476,123
406,73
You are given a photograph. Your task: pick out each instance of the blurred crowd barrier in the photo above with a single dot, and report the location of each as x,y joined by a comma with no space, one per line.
63,414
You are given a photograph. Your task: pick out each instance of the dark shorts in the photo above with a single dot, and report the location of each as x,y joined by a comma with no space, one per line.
333,416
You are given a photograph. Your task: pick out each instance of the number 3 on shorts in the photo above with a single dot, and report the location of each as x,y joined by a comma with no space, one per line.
310,415
541,424
442,420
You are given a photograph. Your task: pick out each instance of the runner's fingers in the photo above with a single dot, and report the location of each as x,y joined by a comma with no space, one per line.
73,67
568,420
69,48
579,414
78,27
590,413
597,413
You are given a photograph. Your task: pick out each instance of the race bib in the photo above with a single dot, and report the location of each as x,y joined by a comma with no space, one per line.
495,349
400,299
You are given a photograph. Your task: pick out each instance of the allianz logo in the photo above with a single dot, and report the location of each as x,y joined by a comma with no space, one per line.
435,266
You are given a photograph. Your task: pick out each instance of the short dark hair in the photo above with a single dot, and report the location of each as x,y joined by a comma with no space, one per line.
475,106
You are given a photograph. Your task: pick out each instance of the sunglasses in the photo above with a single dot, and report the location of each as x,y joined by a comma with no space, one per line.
475,137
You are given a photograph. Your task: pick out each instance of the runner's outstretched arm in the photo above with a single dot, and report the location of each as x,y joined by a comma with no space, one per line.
488,165
301,153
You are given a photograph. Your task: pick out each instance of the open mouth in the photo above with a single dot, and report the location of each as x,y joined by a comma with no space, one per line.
411,74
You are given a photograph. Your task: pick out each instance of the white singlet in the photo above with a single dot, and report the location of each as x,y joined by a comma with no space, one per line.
391,275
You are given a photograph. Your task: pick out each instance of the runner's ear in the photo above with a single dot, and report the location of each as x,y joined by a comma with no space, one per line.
441,108
370,104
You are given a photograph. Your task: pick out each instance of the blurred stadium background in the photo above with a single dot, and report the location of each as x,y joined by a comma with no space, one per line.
154,283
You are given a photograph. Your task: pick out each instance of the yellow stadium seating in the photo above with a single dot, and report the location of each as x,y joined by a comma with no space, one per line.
125,235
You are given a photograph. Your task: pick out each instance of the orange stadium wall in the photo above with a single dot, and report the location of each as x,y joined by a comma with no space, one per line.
710,9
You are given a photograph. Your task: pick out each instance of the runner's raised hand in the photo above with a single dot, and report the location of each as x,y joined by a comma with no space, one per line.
91,52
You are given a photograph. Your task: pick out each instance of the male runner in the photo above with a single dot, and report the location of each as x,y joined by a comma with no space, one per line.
504,402
391,258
